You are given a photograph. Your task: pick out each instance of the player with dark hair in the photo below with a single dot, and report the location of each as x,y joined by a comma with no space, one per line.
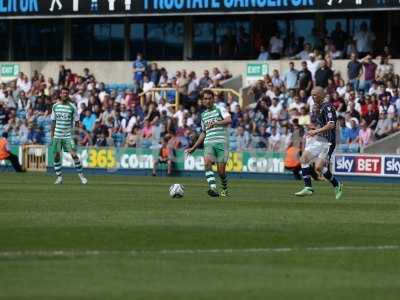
64,115
214,123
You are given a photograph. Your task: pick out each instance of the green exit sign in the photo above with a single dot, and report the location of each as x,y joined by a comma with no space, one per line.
256,70
9,70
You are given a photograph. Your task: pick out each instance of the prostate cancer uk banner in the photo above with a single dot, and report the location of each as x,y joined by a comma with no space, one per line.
68,8
367,165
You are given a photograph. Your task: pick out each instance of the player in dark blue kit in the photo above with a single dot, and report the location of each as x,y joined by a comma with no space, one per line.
320,144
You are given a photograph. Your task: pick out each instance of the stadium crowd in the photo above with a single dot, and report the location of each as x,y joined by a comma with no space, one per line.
368,106
337,44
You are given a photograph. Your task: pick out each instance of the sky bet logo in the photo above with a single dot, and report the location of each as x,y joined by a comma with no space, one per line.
358,164
392,165
13,6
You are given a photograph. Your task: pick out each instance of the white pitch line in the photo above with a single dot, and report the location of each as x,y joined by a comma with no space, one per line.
71,253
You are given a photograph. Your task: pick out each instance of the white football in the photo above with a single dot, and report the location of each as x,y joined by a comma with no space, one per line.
176,190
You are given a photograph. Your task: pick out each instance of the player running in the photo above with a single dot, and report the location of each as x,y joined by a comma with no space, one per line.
214,122
64,115
320,144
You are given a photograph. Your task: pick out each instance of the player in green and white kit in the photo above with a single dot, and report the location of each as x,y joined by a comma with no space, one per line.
64,115
214,122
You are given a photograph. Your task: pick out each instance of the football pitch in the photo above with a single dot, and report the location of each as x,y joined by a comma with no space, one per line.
123,237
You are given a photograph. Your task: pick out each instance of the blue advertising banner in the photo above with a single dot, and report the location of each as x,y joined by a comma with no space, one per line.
367,165
71,8
392,166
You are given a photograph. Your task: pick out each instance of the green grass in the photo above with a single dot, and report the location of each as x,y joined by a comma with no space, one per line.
116,215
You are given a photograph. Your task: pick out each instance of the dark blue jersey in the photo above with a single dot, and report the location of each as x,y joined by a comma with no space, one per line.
327,114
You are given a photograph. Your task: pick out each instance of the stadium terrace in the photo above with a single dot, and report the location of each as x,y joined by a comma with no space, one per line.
193,4
7,6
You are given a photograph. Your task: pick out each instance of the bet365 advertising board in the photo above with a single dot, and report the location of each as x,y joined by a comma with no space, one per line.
115,159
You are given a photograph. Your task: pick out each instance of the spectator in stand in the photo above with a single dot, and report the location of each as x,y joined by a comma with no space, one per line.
385,70
133,138
351,136
89,120
227,45
243,44
323,75
61,75
193,89
397,105
296,104
276,78
339,37
276,46
291,46
313,64
139,67
384,127
86,75
305,53
216,74
365,135
290,77
371,117
242,139
369,73
205,81
364,40
304,118
354,71
264,55
315,39
226,74
25,84
274,141
182,84
352,111
275,110
154,74
387,52
386,107
147,86
304,79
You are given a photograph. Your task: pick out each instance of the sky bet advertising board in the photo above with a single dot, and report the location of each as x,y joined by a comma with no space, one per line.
70,8
367,165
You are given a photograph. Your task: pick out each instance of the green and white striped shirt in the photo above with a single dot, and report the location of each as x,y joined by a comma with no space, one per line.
64,116
216,134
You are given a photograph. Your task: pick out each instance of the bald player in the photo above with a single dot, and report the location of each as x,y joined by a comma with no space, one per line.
320,144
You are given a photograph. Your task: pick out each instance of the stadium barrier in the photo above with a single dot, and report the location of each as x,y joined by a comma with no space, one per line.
163,94
114,159
261,162
34,158
230,92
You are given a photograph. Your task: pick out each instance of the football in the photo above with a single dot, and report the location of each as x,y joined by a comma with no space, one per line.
176,190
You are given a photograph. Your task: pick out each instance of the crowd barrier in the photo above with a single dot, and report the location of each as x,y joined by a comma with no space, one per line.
140,159
239,162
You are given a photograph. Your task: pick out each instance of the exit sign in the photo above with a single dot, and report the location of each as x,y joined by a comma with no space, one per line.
9,70
256,70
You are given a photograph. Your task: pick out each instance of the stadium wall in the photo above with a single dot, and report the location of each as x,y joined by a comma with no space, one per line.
121,71
246,164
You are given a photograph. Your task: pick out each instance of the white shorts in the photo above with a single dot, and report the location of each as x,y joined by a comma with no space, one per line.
318,149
